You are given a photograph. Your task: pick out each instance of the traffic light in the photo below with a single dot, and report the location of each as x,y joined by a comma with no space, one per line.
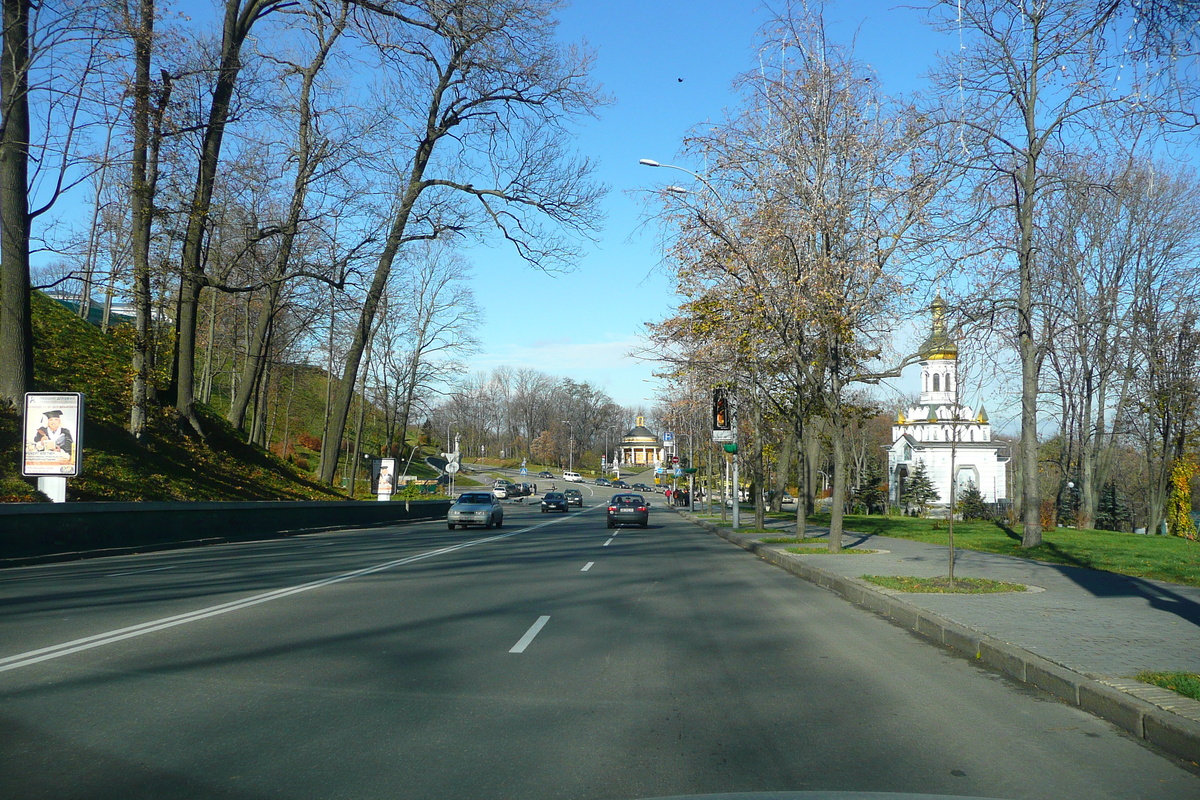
720,411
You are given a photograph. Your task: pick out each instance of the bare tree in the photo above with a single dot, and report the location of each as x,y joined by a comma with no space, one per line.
437,328
1031,80
487,95
239,19
788,262
310,156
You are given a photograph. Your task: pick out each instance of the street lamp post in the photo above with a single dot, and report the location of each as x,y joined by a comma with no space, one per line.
737,489
649,162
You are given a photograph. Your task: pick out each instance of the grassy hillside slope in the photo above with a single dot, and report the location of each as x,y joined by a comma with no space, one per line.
73,356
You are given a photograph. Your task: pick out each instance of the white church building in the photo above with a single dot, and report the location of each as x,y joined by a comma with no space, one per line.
946,436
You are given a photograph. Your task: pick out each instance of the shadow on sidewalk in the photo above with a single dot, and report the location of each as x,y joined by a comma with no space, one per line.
1101,583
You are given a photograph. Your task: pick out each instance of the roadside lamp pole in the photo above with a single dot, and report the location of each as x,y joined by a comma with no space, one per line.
737,489
649,162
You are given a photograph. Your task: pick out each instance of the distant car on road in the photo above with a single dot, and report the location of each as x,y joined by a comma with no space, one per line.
554,501
620,484
628,509
640,487
574,497
475,508
572,477
603,482
500,490
545,474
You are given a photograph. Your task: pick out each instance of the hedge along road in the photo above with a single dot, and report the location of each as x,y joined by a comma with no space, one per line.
533,663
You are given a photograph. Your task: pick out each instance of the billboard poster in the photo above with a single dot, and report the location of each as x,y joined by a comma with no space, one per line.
383,476
52,431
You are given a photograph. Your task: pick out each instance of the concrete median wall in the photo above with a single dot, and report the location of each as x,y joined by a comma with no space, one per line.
36,532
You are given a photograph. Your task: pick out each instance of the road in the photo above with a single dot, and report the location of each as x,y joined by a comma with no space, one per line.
552,658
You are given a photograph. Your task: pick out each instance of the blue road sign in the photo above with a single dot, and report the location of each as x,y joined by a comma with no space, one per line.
524,471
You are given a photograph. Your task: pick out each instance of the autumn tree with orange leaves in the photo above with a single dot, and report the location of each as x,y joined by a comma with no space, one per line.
788,257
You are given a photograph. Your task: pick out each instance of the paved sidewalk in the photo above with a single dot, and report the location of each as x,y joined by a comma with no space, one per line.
1081,634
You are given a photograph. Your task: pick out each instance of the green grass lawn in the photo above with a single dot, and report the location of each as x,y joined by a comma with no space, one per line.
942,585
822,550
1185,683
72,355
1166,558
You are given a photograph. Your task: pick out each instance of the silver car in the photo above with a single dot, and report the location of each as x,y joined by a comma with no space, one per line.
475,508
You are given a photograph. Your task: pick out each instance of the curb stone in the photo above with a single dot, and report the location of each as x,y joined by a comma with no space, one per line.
1165,719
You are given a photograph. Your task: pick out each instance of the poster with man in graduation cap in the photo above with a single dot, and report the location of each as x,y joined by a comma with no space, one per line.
52,434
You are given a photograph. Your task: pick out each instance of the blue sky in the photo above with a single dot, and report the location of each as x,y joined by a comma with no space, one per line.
584,325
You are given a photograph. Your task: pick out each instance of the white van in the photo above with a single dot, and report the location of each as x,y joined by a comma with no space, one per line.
572,477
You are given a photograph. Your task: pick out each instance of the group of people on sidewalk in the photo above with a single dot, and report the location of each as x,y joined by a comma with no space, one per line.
680,497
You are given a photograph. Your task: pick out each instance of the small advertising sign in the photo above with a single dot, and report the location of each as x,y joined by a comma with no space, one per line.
53,434
383,476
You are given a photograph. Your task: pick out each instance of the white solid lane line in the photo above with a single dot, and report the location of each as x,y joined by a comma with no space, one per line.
587,566
533,631
100,639
137,572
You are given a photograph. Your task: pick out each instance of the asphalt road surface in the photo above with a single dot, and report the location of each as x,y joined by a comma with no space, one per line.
552,658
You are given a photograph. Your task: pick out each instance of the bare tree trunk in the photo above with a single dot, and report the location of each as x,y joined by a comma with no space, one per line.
837,507
237,24
261,411
812,455
308,159
287,417
252,364
16,327
783,470
206,377
144,169
803,484
358,429
90,257
340,409
326,437
1031,494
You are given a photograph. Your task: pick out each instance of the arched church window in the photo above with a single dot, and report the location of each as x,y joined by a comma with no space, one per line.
936,383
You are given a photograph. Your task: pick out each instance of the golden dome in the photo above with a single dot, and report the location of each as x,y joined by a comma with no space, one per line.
939,345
